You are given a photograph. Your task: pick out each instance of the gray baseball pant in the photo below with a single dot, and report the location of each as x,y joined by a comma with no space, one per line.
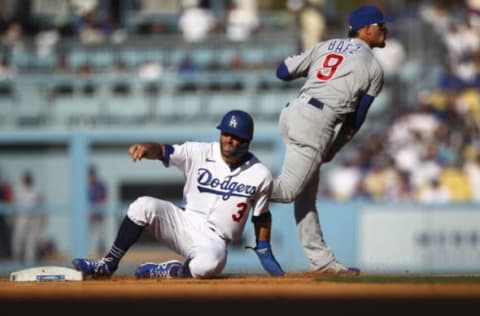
306,132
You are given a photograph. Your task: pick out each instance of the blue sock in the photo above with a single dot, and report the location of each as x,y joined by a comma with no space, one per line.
127,235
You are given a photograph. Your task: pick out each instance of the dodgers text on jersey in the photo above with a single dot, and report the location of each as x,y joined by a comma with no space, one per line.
226,188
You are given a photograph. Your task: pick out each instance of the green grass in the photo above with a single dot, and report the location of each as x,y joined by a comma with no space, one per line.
401,279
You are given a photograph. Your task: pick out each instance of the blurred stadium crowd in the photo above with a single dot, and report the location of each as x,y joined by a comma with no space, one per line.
96,64
428,147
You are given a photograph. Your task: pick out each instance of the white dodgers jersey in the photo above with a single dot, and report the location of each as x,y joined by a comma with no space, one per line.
224,196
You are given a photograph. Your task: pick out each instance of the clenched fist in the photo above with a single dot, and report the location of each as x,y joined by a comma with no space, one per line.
147,150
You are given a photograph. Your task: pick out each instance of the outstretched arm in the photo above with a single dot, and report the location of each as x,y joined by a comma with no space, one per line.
146,150
263,249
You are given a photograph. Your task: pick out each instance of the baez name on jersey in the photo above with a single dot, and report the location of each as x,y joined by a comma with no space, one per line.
226,188
341,46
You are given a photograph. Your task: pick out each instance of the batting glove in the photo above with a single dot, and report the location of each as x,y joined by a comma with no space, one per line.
268,261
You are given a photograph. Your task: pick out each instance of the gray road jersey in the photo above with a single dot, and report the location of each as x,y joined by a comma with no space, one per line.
338,72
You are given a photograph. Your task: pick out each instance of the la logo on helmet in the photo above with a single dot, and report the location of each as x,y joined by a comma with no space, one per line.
233,122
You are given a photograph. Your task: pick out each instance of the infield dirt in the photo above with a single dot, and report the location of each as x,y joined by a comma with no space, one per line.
293,294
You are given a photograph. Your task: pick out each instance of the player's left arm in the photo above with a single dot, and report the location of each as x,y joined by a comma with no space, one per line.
349,127
296,66
286,75
263,249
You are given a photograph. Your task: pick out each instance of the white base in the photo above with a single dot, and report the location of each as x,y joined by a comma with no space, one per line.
46,273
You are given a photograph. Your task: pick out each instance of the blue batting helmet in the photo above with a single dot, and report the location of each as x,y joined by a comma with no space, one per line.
237,123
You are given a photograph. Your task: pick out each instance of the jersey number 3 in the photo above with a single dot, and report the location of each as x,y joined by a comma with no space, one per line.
330,66
242,209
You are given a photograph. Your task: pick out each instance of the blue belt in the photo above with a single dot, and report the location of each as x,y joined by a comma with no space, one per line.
316,103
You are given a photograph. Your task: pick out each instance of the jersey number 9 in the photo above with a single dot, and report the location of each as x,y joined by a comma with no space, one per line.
330,65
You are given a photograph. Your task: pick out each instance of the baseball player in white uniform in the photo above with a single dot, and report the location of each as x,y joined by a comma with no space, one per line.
342,79
223,182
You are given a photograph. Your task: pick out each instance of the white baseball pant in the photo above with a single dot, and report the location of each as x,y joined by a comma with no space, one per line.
183,231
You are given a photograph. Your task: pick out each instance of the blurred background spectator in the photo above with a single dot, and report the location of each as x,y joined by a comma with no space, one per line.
90,27
196,21
472,170
6,198
242,20
7,70
344,180
30,220
473,14
434,193
97,193
310,20
150,70
12,37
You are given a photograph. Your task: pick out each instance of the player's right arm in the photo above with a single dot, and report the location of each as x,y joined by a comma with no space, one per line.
150,150
349,127
354,120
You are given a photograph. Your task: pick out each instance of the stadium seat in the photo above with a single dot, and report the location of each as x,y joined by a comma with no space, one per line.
254,56
221,102
204,57
81,107
76,58
7,103
125,103
31,103
21,59
101,59
270,103
226,56
186,103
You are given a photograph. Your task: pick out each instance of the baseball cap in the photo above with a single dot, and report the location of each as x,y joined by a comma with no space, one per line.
366,15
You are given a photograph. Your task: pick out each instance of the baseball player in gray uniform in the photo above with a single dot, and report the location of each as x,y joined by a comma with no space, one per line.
342,79
223,182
